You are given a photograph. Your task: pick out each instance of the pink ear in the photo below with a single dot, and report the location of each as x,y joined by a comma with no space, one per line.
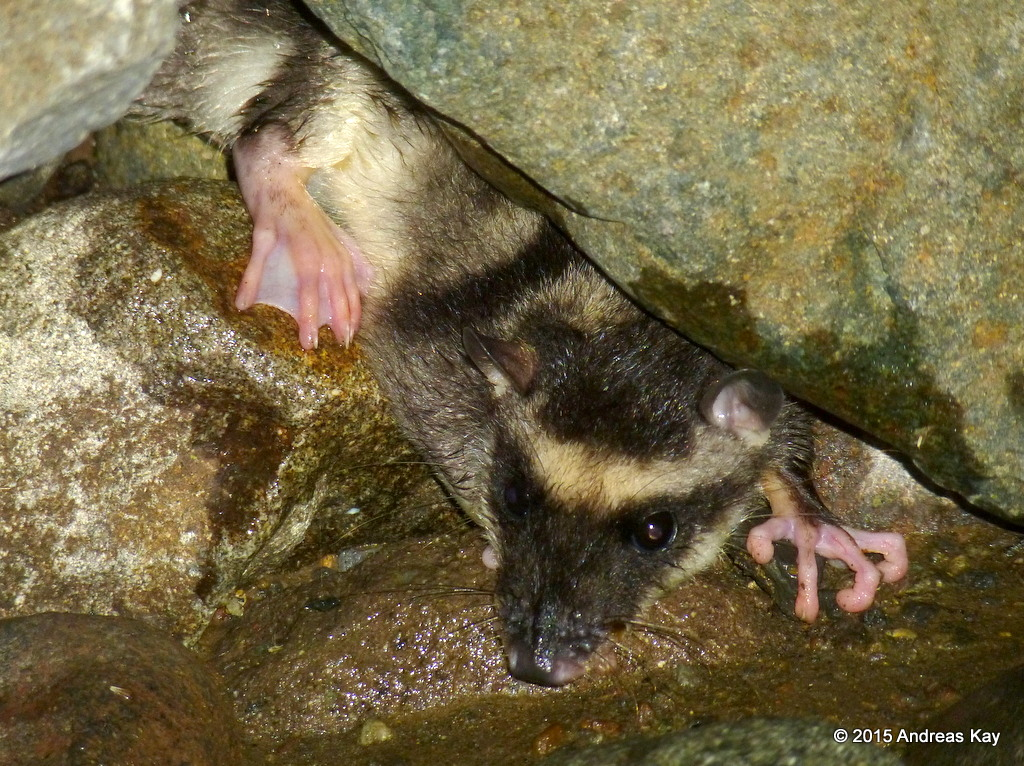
504,363
745,403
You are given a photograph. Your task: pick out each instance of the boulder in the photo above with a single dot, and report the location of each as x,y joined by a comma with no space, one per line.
158,447
830,193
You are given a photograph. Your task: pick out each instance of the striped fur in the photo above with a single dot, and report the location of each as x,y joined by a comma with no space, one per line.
609,432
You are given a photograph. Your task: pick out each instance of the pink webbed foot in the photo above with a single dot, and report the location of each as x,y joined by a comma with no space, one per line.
301,262
832,542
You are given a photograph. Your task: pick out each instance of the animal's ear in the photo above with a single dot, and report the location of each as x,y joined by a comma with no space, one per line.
504,363
745,403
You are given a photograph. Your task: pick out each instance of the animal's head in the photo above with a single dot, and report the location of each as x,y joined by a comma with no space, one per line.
619,465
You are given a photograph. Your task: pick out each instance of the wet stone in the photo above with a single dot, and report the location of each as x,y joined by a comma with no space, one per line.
322,651
80,689
319,652
158,447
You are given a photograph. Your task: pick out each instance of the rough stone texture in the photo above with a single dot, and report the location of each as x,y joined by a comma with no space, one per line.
80,689
993,708
412,627
325,650
71,67
131,152
157,445
830,192
754,742
405,636
869,487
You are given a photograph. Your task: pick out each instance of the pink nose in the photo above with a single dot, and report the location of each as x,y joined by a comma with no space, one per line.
559,671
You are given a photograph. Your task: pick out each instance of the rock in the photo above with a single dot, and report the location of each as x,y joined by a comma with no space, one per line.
829,193
405,634
374,731
869,487
31,192
158,447
132,152
71,68
83,689
411,628
324,651
754,742
986,726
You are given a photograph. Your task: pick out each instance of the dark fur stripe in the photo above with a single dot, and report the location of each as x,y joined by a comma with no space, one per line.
424,302
644,402
299,80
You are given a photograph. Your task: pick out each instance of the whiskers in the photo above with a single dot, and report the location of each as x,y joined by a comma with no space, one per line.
736,542
477,600
477,614
417,593
448,591
647,642
458,522
387,463
645,636
658,664
673,636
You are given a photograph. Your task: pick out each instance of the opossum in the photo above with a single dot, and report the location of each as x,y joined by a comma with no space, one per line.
604,456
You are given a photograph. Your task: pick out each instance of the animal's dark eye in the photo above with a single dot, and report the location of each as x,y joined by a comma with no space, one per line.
516,498
654,531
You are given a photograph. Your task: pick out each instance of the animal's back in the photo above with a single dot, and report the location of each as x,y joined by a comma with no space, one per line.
604,455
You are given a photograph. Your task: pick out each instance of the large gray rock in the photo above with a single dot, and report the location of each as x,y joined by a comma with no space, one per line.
827,191
71,67
158,447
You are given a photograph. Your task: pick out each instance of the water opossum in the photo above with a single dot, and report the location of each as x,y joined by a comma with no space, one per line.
604,456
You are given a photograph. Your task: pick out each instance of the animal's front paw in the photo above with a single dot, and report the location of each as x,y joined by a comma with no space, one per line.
794,519
812,537
302,262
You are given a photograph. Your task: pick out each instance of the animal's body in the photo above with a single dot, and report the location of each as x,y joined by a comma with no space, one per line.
604,456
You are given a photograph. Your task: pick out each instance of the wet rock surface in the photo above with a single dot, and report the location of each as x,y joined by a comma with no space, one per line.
828,193
755,742
407,628
323,660
159,447
403,642
394,660
79,689
375,654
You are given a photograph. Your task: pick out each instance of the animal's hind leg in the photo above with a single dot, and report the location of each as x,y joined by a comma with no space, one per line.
302,262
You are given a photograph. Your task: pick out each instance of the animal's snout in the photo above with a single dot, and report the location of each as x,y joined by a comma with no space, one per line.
556,669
